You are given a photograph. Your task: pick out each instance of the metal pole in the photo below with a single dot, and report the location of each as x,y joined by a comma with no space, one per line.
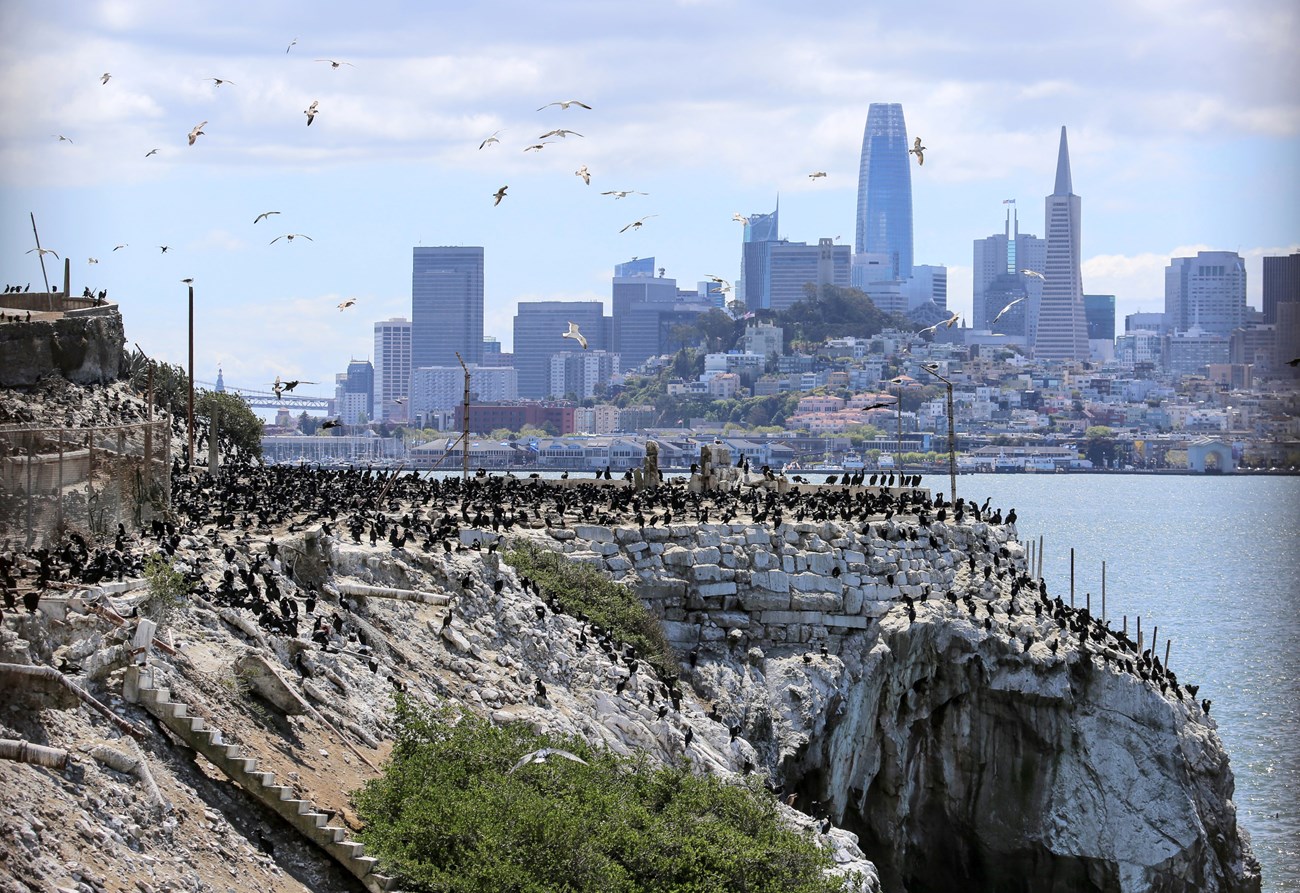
1039,553
190,423
1168,642
952,446
464,429
41,255
1072,576
1103,592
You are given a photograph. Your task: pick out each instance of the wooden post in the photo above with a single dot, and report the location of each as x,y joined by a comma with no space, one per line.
1072,576
1103,592
1168,642
464,428
1040,556
30,455
1126,624
59,509
1087,602
1139,632
1155,632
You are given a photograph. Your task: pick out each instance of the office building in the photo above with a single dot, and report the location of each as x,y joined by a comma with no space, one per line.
1206,292
1061,333
1188,353
649,312
539,328
354,393
764,339
884,214
794,266
760,229
1281,283
996,279
1099,312
392,368
928,285
1145,322
446,306
437,388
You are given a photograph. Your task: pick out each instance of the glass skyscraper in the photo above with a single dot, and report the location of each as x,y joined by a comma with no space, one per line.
446,306
885,190
760,230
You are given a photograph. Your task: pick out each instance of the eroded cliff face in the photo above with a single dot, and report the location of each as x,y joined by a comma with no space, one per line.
970,738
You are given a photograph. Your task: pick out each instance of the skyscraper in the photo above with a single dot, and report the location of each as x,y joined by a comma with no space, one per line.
885,190
1062,332
539,335
760,229
647,313
1281,283
392,368
446,306
997,281
1207,291
793,266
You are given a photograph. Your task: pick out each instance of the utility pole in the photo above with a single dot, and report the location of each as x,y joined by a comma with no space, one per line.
464,425
190,423
952,434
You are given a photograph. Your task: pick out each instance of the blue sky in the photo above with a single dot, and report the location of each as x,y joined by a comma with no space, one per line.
1183,118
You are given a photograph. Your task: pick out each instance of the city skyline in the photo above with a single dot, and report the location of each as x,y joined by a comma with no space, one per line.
1184,140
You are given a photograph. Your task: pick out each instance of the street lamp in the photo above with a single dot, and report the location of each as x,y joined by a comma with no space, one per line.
901,381
952,431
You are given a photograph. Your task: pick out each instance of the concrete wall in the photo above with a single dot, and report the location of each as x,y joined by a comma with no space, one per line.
86,349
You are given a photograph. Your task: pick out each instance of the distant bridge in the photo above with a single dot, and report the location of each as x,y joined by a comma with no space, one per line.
267,399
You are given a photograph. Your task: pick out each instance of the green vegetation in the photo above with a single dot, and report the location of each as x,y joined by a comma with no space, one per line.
449,815
837,312
580,588
171,392
167,589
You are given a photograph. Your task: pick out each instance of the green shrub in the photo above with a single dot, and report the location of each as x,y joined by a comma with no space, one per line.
448,815
167,589
581,588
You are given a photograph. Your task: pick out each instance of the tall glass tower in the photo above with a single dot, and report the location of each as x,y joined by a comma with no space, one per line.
446,306
885,190
760,229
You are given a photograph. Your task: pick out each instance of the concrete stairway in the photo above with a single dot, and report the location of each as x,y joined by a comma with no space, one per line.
242,770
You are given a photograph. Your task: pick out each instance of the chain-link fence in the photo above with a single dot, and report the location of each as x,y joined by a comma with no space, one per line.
90,479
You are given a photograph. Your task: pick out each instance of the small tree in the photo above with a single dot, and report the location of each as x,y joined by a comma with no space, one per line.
235,420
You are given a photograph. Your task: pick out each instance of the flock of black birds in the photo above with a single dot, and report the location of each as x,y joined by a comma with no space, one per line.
240,510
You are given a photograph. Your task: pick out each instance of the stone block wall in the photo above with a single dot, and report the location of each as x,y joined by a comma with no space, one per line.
806,584
86,349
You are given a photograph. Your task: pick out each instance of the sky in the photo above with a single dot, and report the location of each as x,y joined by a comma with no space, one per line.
1183,119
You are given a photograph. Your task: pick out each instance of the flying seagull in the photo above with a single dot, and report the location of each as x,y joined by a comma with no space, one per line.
918,150
310,111
124,245
498,195
196,132
623,193
63,139
291,45
565,103
490,139
575,335
1033,274
560,133
45,251
220,81
348,303
1005,309
537,146
1293,363
952,320
740,218
264,215
103,79
150,152
291,237
539,756
636,224
815,174
943,322
584,173
165,249
334,64
331,423
92,260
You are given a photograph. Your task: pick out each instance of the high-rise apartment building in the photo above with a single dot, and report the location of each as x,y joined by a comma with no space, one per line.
539,335
392,368
579,372
435,388
1062,330
1206,292
1099,311
996,279
1281,283
354,393
884,218
446,306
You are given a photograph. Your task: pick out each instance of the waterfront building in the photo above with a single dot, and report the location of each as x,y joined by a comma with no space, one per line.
1207,291
392,368
1281,283
539,328
884,213
1062,332
446,306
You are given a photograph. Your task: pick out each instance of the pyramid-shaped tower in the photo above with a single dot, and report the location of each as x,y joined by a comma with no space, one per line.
1062,332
